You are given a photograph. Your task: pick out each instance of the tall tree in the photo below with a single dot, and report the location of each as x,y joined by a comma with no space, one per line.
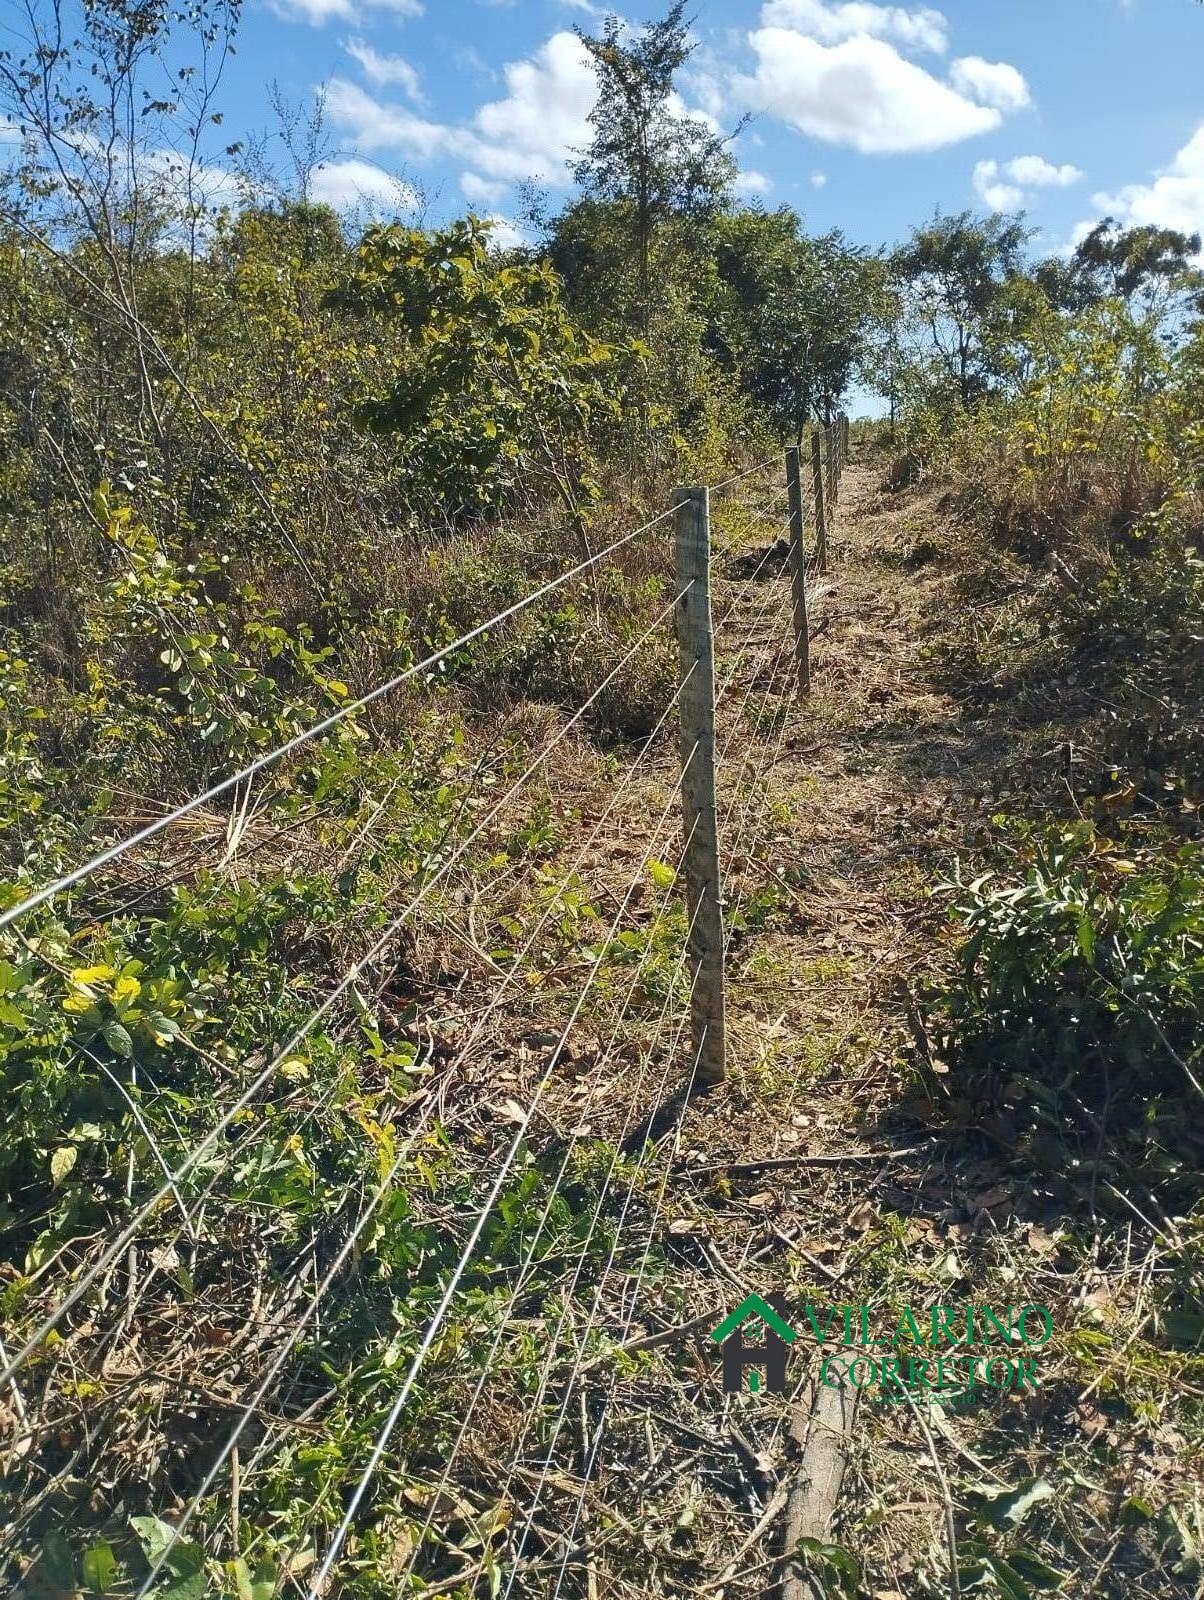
1148,267
647,154
796,312
954,271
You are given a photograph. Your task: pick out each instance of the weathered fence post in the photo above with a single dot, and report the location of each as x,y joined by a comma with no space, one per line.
798,570
833,483
821,516
844,422
692,527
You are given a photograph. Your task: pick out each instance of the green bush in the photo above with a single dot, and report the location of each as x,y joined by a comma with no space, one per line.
1082,972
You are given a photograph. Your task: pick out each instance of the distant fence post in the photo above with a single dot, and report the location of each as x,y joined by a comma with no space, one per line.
798,570
695,639
829,471
844,424
821,516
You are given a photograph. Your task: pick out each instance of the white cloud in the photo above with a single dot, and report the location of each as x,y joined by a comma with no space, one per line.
544,118
1173,199
752,182
818,179
860,92
382,70
480,189
708,89
991,83
380,127
1004,187
213,187
347,185
532,133
1034,172
318,12
504,234
999,196
833,24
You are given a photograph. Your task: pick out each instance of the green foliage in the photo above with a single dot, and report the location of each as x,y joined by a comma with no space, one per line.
198,685
991,1558
794,312
645,157
954,271
1147,264
1082,971
251,466
499,383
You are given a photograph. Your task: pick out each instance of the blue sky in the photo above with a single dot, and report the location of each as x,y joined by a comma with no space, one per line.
866,116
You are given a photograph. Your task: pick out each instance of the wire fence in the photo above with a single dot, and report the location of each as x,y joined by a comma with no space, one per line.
107,1361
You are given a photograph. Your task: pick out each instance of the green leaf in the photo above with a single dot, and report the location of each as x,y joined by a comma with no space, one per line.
57,1564
163,1029
192,1587
117,1037
663,875
1007,1508
1184,1328
99,1567
184,1560
1137,1510
1034,1569
1008,1581
257,1585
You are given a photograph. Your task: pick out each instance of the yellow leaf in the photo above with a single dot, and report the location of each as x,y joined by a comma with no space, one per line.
126,989
84,975
61,1162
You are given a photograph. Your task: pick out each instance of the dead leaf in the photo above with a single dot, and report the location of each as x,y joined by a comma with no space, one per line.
861,1217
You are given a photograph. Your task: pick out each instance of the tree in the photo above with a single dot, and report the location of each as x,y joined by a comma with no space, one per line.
1148,267
646,155
953,272
497,384
796,312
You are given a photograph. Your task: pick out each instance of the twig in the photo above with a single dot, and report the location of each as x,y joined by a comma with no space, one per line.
844,1159
955,1588
768,1517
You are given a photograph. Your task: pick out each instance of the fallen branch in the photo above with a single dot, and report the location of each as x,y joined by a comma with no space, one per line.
811,1505
847,1158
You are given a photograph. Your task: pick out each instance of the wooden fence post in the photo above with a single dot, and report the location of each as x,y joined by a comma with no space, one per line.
695,639
844,420
831,483
821,516
798,570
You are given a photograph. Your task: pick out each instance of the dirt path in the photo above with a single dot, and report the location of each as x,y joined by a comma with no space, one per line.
835,1168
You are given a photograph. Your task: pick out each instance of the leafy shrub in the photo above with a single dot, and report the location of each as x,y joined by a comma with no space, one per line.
1082,973
1141,626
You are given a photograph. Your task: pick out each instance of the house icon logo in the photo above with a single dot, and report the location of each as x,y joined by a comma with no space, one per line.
771,1351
